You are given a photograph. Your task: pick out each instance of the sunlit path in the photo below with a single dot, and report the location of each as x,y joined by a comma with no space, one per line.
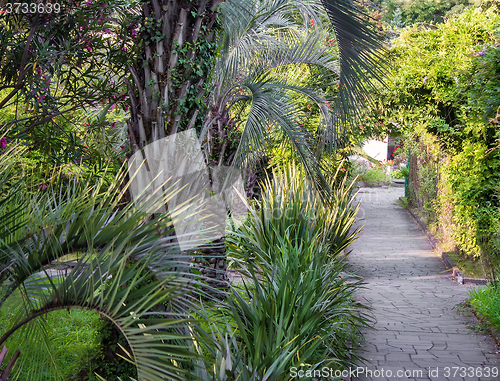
418,333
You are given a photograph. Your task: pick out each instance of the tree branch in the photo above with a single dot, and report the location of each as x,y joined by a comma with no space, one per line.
46,119
22,69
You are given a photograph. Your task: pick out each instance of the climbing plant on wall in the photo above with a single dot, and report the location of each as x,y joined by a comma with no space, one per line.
443,95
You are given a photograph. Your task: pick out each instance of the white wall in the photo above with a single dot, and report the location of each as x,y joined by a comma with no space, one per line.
376,149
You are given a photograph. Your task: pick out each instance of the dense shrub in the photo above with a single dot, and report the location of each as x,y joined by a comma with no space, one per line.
442,96
300,310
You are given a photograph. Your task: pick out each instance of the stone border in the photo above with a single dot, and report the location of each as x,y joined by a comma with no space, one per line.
448,262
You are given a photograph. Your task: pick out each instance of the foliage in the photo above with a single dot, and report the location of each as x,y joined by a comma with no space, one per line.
291,206
401,173
105,360
442,96
375,176
60,71
63,78
127,271
428,11
486,302
372,174
431,69
291,251
72,335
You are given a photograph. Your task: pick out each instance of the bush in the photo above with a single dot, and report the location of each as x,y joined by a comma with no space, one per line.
299,309
374,175
486,301
401,173
105,359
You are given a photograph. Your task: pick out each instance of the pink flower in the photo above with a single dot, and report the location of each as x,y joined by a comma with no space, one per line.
113,125
3,143
362,127
312,22
327,104
42,186
88,3
126,107
122,147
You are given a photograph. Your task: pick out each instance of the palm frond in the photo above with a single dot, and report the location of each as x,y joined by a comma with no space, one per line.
129,268
362,55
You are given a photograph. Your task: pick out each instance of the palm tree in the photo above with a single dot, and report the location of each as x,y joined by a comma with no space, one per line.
125,270
200,72
129,264
177,50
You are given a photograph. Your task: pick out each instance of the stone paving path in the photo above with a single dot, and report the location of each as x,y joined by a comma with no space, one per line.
414,302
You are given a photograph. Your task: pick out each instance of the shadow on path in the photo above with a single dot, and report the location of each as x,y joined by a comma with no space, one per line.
419,334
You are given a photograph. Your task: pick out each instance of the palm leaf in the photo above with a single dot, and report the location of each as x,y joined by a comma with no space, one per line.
129,268
362,55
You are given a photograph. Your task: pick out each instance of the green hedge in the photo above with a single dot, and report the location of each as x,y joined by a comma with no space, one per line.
443,96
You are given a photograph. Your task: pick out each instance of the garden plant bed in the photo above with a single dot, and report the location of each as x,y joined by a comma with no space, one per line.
447,260
484,325
471,268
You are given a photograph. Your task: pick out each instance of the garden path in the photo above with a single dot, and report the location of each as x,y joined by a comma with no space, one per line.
418,325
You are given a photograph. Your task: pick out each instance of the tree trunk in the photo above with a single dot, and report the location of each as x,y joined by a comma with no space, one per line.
168,84
3,352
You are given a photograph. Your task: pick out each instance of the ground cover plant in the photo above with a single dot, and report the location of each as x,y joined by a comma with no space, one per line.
486,302
73,336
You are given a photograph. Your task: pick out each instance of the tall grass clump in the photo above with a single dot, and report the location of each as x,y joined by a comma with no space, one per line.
486,301
296,309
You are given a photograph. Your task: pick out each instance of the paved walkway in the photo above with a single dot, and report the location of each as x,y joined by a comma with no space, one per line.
414,302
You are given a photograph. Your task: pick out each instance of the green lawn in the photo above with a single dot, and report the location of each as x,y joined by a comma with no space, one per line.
72,336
